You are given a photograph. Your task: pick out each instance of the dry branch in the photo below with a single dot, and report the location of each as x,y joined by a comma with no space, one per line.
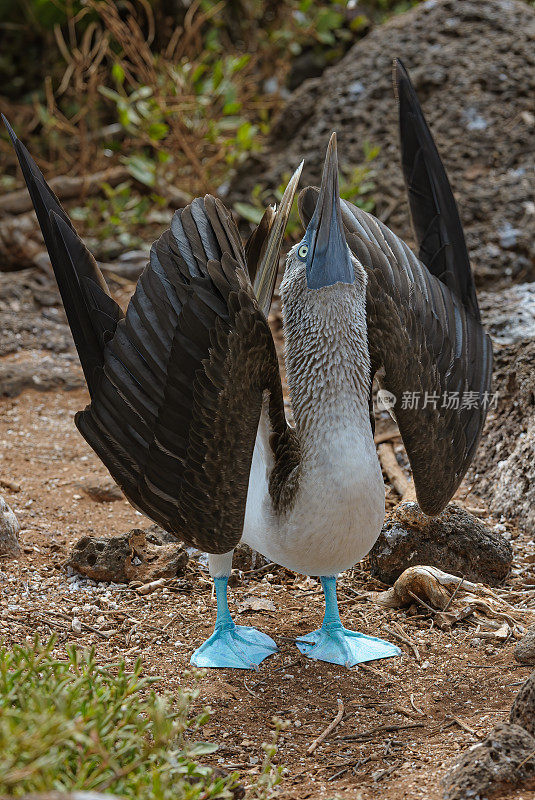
329,729
405,640
65,187
387,436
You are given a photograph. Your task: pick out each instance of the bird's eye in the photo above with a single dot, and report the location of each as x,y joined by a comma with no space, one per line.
303,250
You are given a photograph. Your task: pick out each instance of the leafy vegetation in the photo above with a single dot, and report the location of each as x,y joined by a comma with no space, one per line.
180,94
67,725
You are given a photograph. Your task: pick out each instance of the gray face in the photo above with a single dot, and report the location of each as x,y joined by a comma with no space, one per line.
324,248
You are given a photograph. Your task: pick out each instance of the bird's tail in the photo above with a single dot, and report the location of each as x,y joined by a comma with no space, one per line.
434,212
92,313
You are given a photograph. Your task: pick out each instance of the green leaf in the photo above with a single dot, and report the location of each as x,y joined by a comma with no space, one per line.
111,94
232,107
141,168
118,73
248,212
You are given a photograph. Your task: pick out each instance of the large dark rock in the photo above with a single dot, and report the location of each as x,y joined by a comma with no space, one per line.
502,472
30,314
523,710
473,65
509,314
502,762
36,370
36,346
455,542
138,555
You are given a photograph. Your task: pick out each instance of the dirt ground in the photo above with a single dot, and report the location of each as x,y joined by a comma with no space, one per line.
432,709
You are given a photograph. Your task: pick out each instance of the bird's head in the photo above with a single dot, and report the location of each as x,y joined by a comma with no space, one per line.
323,249
321,267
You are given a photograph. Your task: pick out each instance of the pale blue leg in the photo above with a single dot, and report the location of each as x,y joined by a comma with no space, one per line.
335,644
231,645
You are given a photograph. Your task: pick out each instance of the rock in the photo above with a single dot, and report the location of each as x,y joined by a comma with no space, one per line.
502,471
509,315
523,710
159,558
135,556
35,341
101,558
246,559
525,650
455,541
9,530
33,369
502,762
102,492
472,63
24,323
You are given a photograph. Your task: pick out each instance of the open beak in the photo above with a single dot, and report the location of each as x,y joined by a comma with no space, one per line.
266,274
328,259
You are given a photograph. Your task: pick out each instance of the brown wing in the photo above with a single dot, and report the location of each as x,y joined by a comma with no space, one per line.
177,384
177,414
432,350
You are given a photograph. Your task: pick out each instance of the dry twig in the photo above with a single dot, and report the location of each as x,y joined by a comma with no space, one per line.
463,725
332,725
405,640
65,187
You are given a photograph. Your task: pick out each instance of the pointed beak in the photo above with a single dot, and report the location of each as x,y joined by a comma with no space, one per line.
328,258
266,274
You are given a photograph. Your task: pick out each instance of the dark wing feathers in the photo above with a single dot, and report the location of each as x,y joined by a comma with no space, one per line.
177,383
429,344
185,405
434,212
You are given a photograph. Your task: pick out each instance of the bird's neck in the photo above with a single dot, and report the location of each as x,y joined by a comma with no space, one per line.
328,371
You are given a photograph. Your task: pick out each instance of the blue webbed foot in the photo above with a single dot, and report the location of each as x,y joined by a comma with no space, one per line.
337,645
235,646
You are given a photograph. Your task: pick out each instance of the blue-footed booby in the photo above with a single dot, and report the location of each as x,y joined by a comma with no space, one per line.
187,409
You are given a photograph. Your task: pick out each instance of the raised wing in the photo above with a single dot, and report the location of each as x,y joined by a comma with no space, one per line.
263,246
436,357
92,313
177,384
435,217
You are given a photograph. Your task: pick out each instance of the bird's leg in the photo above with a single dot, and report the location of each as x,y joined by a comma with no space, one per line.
337,645
230,645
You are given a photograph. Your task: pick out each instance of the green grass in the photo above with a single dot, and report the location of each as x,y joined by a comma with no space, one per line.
72,725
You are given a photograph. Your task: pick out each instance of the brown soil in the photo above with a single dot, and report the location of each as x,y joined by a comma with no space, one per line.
43,461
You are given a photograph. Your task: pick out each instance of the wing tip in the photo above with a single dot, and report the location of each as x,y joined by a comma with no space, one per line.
11,132
402,83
